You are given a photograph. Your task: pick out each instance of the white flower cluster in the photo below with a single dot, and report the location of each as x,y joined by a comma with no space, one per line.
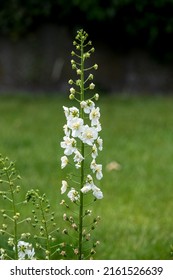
75,129
25,251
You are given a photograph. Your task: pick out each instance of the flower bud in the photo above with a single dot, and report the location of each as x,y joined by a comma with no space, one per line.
4,226
78,82
90,77
95,66
78,71
73,66
72,90
70,82
96,96
91,86
87,55
71,96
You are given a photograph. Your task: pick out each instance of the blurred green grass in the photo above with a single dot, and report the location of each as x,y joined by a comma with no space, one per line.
136,212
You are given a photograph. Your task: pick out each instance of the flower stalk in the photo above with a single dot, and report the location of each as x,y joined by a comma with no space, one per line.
82,140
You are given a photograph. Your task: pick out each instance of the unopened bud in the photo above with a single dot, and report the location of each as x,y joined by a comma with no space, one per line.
78,71
91,86
96,96
72,90
95,66
90,77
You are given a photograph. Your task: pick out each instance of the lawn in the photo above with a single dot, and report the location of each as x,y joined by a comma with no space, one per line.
136,212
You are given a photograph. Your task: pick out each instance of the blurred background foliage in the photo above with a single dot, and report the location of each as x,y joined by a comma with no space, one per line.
126,23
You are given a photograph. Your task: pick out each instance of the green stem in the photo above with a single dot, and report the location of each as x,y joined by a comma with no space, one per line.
14,214
82,153
45,227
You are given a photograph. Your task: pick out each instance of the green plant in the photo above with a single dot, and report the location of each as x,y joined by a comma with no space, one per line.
82,142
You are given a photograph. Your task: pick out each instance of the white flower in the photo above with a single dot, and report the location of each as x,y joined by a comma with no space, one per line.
89,185
96,168
89,134
73,195
99,173
89,179
97,193
78,165
94,153
98,126
64,186
64,161
86,188
66,130
99,141
69,144
78,157
87,106
74,112
25,251
76,125
66,111
94,116
71,112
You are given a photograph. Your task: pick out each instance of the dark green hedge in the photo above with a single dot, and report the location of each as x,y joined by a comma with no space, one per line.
129,23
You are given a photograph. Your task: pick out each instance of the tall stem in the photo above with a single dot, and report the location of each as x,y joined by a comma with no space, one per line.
83,154
14,214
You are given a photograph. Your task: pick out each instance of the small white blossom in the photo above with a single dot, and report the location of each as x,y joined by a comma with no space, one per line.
76,125
89,134
88,184
73,195
86,188
66,130
94,116
97,193
74,112
96,168
98,126
89,179
25,250
64,186
78,157
71,112
64,161
94,153
69,144
99,141
66,111
87,106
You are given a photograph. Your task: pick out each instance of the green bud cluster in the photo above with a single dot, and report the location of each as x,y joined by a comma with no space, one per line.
12,218
43,222
83,51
